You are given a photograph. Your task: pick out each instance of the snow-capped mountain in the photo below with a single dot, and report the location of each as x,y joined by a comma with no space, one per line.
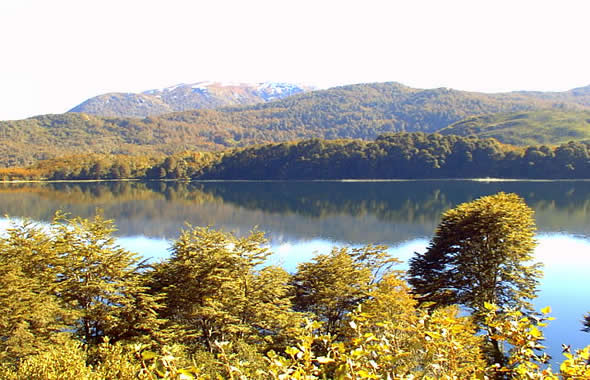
184,97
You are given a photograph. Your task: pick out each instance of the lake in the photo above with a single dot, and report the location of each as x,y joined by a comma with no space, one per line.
304,218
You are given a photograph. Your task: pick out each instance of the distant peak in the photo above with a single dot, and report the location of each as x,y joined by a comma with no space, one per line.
581,90
204,85
188,96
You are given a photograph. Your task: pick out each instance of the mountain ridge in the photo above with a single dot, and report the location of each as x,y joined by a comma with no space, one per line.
186,96
362,111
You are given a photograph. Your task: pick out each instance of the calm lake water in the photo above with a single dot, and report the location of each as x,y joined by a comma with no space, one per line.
304,218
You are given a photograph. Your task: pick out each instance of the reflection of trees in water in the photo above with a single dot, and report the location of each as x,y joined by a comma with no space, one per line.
561,205
345,211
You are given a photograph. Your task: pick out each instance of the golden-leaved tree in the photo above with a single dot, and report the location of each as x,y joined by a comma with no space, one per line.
217,289
481,253
332,285
32,316
102,282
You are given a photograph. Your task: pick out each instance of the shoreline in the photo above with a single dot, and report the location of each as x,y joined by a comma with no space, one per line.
343,180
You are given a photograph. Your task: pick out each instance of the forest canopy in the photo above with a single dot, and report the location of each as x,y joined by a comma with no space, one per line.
401,155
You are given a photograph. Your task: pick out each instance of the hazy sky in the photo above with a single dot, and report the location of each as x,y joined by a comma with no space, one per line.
55,54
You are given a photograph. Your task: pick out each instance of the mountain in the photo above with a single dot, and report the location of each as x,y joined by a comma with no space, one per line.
580,95
548,127
362,111
123,105
184,97
23,142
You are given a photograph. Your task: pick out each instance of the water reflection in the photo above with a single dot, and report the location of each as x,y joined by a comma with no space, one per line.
353,212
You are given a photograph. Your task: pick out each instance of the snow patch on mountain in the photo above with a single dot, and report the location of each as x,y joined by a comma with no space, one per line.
188,96
268,88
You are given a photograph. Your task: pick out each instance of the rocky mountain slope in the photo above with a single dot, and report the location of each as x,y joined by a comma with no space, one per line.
184,97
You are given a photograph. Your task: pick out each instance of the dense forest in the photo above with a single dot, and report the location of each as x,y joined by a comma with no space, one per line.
391,156
350,112
75,305
24,142
402,155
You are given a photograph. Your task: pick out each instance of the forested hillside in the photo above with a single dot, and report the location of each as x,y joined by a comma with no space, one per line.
580,95
526,128
357,111
400,155
23,142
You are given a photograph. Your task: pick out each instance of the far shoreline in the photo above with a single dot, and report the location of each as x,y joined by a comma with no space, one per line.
343,180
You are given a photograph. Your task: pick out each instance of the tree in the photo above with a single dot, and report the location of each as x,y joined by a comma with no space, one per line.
97,170
334,284
388,337
32,318
480,254
102,282
216,290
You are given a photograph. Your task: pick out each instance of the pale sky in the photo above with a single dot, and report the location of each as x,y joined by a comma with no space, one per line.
56,54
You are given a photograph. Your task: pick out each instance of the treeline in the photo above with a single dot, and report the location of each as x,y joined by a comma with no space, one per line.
75,305
402,156
391,156
109,166
397,155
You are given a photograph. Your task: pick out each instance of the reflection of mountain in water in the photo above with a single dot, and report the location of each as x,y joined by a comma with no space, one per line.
356,212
